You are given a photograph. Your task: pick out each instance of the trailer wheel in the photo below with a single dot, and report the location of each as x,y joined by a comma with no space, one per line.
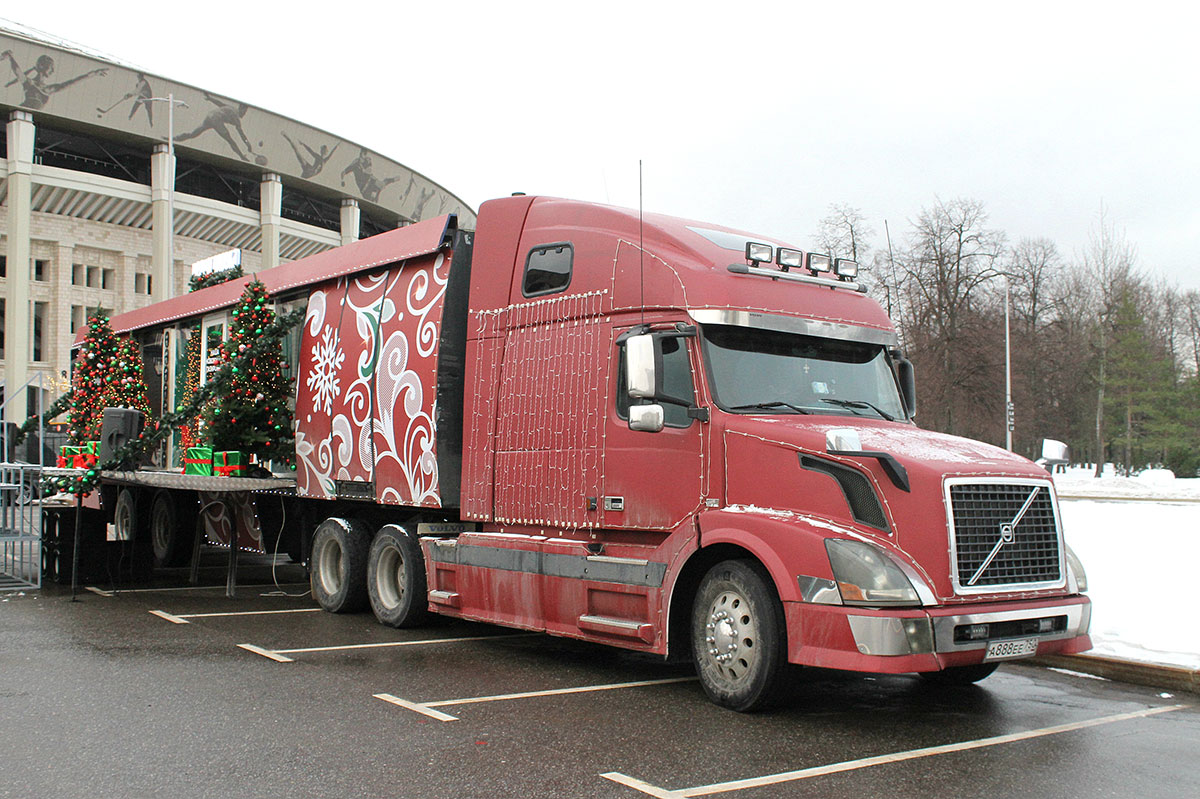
172,545
396,578
738,636
123,516
338,571
959,675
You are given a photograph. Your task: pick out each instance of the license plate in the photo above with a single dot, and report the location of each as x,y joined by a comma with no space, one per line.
1003,650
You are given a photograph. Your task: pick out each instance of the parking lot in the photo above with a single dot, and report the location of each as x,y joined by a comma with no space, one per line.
179,690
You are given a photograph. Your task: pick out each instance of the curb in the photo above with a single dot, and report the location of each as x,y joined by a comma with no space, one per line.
1176,678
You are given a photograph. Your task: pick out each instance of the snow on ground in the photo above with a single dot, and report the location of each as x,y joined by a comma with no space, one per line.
1139,540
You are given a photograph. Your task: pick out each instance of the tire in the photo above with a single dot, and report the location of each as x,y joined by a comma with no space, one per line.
171,545
396,578
738,641
338,568
124,516
959,675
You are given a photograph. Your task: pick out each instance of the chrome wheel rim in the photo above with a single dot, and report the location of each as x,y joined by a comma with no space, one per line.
389,577
160,532
331,566
731,636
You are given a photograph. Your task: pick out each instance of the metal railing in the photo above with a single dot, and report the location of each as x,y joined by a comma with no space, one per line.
20,503
20,527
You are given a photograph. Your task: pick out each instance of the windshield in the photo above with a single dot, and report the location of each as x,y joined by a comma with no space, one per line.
765,371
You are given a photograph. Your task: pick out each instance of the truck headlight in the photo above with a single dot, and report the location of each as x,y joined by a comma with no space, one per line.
1075,568
867,576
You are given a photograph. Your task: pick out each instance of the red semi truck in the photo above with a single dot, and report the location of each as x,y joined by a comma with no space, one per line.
658,434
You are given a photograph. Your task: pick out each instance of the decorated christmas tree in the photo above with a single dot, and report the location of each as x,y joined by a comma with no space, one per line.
128,388
92,382
252,416
189,434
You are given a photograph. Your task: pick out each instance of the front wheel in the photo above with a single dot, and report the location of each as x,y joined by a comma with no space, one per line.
396,578
738,640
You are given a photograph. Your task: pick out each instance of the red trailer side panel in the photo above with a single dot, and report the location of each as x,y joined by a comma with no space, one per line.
368,383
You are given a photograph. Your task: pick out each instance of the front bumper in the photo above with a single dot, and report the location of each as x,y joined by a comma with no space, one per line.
924,639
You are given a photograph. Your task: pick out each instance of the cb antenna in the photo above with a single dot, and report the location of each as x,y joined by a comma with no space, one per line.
641,247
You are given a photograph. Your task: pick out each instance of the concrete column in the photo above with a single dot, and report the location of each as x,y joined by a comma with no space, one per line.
162,190
270,193
351,216
18,328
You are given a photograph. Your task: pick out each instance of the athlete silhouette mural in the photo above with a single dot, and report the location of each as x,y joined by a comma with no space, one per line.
141,95
219,120
362,168
34,80
312,163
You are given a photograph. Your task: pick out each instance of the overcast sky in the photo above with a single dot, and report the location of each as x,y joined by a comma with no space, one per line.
752,115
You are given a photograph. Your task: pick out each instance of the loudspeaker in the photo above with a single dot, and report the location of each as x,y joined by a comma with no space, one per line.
120,426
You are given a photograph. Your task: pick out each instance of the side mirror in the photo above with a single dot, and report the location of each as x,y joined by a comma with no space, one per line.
646,418
643,367
908,386
1055,455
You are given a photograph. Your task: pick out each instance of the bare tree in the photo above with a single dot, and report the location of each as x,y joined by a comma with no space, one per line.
1109,261
951,255
844,233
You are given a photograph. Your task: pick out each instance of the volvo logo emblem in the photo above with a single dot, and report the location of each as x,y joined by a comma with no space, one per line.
1007,533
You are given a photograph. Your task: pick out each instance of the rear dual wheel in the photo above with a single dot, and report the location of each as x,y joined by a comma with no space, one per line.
396,578
338,565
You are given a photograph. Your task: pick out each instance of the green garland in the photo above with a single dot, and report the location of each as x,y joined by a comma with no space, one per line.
214,278
60,406
218,383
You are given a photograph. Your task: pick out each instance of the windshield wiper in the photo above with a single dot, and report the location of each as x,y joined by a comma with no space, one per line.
768,405
852,404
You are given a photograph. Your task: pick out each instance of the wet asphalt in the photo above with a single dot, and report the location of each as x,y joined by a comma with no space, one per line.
100,697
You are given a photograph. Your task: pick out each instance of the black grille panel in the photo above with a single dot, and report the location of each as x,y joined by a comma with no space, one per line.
980,513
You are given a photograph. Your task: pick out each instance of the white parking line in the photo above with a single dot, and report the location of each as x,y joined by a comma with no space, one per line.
852,765
279,654
162,614
267,653
182,618
221,587
421,642
422,709
426,708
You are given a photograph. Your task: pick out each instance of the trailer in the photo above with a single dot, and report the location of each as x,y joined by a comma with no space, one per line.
654,433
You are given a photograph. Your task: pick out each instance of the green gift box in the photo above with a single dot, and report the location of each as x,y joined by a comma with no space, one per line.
93,448
198,460
67,454
229,464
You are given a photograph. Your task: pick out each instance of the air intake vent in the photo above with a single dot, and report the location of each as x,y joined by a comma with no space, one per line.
860,496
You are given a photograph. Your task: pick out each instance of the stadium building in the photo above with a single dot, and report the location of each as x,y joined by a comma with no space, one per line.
116,181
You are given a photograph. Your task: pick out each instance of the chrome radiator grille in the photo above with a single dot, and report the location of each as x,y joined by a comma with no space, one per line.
1004,537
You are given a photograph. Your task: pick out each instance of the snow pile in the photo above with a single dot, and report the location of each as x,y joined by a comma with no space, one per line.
1140,553
1156,484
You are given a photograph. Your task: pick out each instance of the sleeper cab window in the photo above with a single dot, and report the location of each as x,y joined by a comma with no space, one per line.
676,382
548,269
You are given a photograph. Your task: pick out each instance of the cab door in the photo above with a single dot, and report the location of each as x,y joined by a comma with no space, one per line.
655,481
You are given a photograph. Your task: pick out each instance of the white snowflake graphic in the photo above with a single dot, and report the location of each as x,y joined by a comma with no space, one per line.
323,379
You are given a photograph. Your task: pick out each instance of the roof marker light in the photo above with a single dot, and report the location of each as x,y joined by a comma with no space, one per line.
845,268
818,263
759,253
789,258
